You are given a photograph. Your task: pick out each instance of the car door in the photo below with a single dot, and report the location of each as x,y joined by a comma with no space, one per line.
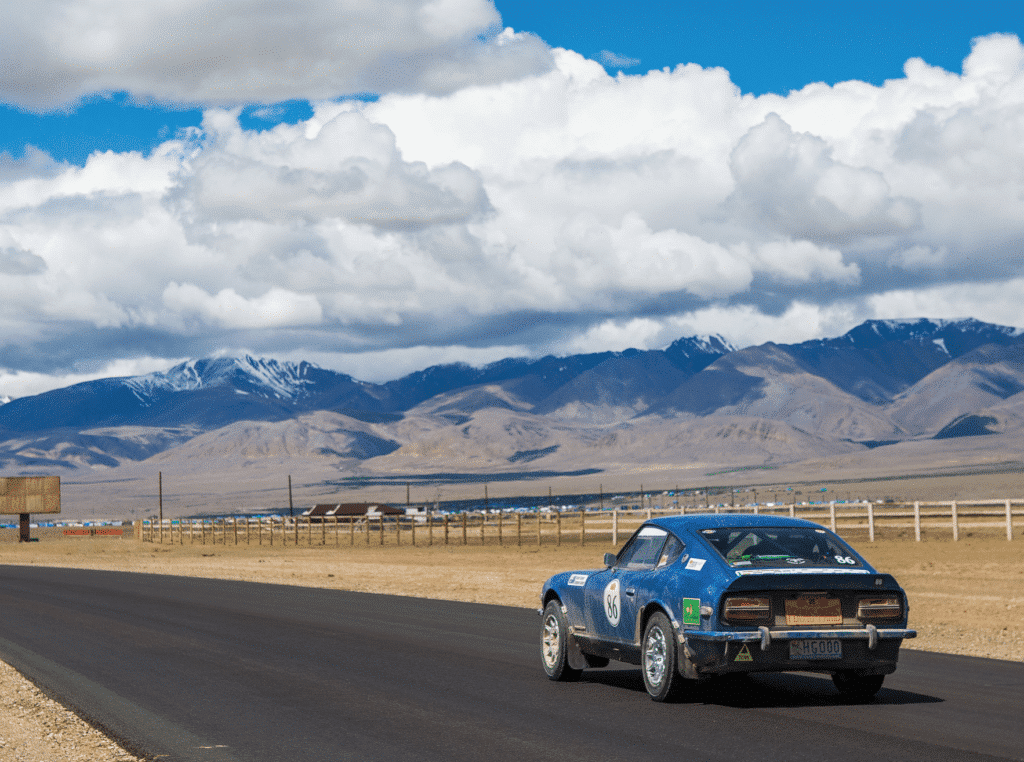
614,595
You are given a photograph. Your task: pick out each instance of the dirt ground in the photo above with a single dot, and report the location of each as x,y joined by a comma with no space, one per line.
966,597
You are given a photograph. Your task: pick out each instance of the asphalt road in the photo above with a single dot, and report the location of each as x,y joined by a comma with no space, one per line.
185,669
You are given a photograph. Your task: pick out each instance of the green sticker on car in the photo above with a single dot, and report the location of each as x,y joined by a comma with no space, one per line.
691,610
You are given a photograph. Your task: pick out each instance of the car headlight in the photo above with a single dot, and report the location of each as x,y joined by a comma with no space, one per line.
747,609
890,607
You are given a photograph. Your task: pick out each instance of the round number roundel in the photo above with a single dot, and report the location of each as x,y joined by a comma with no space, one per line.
612,603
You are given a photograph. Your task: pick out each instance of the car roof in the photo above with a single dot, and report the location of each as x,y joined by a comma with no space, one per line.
698,521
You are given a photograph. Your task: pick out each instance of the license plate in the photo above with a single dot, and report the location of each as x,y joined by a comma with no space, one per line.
816,649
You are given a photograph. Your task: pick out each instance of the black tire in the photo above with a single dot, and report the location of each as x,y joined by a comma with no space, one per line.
854,687
553,647
658,659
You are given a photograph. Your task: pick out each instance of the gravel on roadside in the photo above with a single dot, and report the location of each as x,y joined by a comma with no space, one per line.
35,728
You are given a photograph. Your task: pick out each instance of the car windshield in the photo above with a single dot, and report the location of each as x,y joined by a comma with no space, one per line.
780,547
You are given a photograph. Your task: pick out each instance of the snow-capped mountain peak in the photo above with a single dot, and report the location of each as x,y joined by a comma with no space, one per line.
267,378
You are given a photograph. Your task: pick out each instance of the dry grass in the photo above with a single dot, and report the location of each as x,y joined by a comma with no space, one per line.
966,597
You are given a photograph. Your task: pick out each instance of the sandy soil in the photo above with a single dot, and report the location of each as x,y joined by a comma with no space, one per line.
966,597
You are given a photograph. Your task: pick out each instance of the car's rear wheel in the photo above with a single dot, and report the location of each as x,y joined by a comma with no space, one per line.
554,632
856,687
658,659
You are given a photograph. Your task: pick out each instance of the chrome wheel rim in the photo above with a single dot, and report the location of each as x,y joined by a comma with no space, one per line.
550,641
655,652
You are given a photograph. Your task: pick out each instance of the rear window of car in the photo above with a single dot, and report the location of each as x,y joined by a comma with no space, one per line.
780,547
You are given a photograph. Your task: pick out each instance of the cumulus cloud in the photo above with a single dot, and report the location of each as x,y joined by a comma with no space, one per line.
273,309
790,183
18,261
345,168
212,52
561,210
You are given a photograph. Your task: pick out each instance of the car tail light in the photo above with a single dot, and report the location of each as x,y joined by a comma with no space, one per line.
890,607
746,609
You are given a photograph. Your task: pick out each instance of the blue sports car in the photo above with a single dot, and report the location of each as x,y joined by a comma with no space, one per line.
689,597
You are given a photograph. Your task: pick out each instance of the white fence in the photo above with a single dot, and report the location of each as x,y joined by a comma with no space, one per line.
610,526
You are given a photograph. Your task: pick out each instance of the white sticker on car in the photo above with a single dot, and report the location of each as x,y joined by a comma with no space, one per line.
695,564
578,580
612,603
652,532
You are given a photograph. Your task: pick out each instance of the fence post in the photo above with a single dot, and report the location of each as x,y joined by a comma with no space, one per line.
465,519
832,514
501,520
956,522
917,520
615,525
583,527
445,529
538,527
871,521
792,510
483,527
519,530
1009,521
398,530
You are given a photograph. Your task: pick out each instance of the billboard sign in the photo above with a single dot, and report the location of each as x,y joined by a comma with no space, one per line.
29,494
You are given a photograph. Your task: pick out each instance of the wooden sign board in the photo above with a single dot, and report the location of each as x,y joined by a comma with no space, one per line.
29,494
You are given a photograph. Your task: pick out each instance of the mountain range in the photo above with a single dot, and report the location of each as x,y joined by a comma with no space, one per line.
699,403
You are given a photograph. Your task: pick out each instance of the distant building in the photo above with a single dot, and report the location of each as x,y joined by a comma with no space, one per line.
352,510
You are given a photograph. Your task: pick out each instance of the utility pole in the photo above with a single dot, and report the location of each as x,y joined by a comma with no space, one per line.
160,490
291,507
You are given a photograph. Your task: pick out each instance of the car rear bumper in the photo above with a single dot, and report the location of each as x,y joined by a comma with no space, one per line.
765,635
867,651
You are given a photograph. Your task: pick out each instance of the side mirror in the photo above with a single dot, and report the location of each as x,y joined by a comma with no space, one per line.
609,559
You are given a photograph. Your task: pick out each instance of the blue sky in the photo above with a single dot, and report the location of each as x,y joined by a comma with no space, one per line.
766,47
386,185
